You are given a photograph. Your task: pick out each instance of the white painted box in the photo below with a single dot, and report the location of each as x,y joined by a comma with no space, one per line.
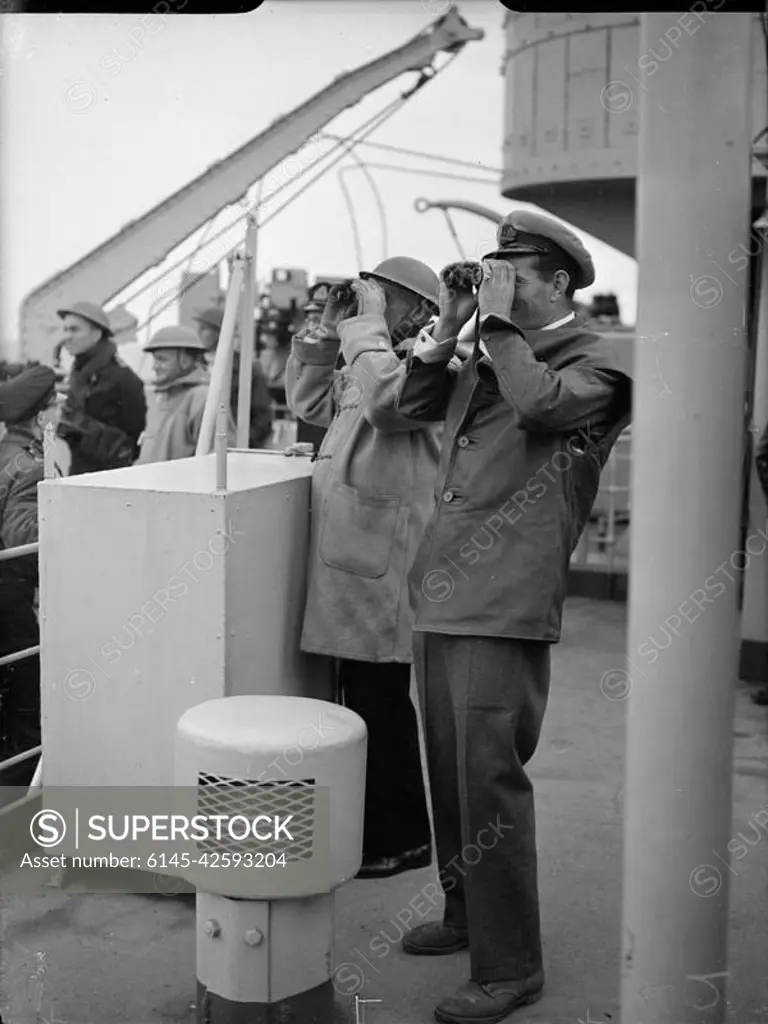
158,593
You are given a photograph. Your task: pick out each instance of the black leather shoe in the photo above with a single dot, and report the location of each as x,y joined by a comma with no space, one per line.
435,939
385,867
490,1002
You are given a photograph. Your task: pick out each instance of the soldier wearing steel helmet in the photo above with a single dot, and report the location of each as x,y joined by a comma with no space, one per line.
209,323
313,315
530,419
106,408
371,497
181,383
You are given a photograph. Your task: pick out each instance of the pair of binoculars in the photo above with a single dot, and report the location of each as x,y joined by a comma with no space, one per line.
344,293
463,276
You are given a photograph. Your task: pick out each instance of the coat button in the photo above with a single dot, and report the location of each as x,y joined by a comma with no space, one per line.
448,496
463,442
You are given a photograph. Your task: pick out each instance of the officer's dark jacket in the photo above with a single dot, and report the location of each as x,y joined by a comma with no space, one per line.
526,436
761,462
261,403
105,412
21,470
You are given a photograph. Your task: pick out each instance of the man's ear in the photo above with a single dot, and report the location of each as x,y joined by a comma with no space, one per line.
561,279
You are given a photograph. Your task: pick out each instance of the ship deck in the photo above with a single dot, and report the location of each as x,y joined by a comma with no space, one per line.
69,957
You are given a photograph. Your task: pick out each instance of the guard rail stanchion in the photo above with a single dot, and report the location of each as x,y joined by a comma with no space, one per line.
246,335
49,451
221,449
222,363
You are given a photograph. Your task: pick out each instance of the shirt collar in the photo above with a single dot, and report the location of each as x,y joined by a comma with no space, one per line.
559,323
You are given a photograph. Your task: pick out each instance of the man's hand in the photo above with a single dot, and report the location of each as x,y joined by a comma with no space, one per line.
371,299
456,306
304,333
70,422
497,289
299,448
338,307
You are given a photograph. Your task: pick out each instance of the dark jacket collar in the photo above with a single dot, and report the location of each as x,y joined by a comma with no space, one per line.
95,359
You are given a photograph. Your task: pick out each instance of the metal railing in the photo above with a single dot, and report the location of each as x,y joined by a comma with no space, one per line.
6,555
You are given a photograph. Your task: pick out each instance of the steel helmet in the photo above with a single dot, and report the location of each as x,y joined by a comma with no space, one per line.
407,273
88,311
211,317
318,293
175,337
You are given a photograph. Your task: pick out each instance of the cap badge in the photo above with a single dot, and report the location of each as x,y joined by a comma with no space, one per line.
508,234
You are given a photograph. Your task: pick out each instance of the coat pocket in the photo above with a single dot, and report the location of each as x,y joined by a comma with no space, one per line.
358,532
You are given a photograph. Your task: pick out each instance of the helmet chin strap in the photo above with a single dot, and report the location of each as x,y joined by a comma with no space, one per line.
405,329
410,325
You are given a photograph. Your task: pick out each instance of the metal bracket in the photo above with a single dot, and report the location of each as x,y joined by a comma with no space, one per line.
361,1002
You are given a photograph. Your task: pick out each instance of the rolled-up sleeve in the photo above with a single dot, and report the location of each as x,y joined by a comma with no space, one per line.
551,401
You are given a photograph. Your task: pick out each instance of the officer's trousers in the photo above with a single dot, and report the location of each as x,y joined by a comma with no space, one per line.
483,701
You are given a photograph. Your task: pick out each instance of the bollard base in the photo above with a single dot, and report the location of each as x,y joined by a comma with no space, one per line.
313,1007
264,961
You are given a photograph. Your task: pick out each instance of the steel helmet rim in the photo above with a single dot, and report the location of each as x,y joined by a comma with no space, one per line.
382,273
88,311
176,337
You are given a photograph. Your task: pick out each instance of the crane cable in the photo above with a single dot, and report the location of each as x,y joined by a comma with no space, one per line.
353,219
474,164
432,174
454,235
182,289
407,170
367,128
379,203
276,191
200,244
391,167
363,166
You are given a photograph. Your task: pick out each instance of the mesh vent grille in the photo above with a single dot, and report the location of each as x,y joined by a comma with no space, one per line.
218,794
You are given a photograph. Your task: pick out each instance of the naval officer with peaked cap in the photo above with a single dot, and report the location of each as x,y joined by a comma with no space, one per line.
530,420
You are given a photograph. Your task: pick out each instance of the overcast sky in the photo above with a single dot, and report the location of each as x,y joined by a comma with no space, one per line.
100,125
